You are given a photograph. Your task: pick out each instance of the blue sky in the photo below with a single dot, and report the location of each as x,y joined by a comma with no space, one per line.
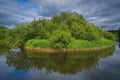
100,12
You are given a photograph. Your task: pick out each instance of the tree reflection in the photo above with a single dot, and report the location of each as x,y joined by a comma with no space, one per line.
18,60
63,63
3,50
119,35
119,44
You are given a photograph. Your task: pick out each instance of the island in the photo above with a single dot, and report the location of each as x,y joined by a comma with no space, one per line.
65,31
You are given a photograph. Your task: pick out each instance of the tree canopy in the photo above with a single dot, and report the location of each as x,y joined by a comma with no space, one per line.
3,31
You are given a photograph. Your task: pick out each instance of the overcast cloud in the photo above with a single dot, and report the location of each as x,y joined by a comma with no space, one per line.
100,12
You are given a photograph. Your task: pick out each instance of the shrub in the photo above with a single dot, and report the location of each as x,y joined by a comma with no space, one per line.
60,39
109,36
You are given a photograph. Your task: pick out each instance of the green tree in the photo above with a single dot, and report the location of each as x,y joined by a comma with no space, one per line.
77,30
3,31
56,19
60,39
91,33
19,35
108,35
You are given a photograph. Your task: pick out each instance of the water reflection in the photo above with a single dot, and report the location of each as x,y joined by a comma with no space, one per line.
18,60
63,63
119,44
3,50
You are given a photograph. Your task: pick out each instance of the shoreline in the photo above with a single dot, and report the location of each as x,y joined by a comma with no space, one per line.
48,50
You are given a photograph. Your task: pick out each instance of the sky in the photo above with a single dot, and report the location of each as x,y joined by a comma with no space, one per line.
104,13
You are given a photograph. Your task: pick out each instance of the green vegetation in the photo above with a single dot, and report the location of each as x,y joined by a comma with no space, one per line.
116,33
76,44
3,31
62,31
60,39
38,43
3,49
3,34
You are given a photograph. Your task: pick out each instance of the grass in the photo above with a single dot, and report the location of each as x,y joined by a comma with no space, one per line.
78,44
75,44
37,43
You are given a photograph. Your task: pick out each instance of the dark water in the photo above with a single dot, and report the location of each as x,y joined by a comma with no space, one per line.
102,65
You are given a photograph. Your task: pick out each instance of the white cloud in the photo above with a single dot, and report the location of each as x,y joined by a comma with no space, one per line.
96,11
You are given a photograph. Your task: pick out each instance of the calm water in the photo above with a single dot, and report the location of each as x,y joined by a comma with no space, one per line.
102,65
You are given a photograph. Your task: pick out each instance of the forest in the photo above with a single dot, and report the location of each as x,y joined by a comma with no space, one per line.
66,30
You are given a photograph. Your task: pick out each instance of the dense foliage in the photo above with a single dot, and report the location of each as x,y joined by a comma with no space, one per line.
3,31
3,34
60,39
64,30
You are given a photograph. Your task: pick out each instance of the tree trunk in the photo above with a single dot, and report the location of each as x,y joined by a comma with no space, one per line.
21,46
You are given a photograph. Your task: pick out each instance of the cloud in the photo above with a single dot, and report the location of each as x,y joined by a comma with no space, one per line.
14,12
99,12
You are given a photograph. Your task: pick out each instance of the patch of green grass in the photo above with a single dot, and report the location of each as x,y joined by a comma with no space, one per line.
79,44
38,43
75,44
103,42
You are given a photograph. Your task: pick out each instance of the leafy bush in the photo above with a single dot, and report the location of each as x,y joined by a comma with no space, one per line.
109,35
60,39
3,31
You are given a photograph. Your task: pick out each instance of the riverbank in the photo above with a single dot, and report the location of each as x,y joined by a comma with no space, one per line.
83,50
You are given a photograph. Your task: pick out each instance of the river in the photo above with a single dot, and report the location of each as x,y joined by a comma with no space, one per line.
18,65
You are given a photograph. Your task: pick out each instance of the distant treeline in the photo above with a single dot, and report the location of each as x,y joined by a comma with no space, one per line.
116,33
